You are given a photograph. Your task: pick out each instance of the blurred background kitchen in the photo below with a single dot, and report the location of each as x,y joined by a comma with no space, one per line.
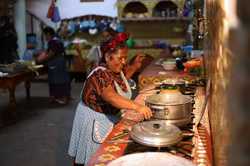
208,39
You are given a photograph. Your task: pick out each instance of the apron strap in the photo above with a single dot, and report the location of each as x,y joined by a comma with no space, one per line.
90,74
119,90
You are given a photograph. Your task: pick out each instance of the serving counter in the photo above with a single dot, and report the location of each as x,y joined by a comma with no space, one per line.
155,73
200,153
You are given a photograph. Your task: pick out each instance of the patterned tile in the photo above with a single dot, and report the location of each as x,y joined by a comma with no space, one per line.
112,148
106,157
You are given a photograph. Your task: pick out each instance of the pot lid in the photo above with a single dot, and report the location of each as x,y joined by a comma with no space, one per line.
156,133
168,99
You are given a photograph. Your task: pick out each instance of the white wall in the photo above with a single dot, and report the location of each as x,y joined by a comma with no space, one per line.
20,25
39,8
72,8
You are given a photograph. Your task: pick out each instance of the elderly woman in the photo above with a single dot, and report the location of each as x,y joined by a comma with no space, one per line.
104,93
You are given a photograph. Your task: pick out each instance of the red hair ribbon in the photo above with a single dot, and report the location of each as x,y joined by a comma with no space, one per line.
120,38
114,42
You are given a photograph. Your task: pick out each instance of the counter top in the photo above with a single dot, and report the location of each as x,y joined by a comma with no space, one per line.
155,73
202,151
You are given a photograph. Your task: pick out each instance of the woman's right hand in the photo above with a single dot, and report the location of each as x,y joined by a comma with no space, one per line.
147,113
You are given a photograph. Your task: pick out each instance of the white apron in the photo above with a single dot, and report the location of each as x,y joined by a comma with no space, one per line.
90,128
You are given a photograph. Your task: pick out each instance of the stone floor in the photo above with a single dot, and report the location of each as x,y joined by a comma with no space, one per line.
39,136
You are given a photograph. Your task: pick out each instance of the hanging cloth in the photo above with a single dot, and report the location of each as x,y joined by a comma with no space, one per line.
53,12
50,12
56,15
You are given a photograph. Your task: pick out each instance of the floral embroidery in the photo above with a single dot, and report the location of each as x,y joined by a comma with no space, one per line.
106,157
112,148
94,85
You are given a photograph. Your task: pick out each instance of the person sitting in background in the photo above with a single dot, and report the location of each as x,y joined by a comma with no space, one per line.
132,67
58,77
166,52
104,93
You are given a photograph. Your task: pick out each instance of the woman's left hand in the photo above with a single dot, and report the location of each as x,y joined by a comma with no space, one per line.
137,62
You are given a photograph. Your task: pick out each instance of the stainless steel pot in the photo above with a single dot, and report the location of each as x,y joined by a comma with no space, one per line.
175,108
156,133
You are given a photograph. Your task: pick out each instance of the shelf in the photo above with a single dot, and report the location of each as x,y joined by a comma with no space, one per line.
157,19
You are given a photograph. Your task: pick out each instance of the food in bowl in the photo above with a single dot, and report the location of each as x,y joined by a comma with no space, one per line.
169,65
168,87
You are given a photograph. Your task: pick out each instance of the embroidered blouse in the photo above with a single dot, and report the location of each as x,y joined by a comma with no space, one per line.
94,86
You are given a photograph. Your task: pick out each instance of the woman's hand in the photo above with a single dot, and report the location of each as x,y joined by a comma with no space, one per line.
137,62
145,111
116,100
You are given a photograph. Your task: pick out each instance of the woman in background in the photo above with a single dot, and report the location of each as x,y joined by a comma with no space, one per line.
58,77
104,93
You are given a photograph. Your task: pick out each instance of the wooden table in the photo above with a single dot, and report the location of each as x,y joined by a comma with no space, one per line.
11,81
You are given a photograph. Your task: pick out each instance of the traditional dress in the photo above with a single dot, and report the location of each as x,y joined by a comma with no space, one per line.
94,118
58,77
